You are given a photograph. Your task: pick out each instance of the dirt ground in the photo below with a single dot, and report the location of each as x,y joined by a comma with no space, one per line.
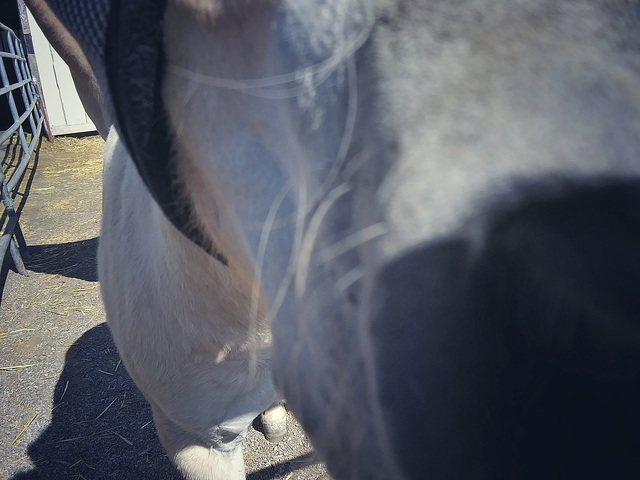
68,409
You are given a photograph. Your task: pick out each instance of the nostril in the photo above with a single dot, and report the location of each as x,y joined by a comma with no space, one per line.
567,269
523,359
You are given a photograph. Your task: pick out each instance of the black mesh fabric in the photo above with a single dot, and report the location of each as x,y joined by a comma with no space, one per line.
123,41
87,20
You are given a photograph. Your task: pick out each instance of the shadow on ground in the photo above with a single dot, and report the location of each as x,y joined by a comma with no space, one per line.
72,259
101,426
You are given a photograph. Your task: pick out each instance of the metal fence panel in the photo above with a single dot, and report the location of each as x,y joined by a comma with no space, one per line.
13,65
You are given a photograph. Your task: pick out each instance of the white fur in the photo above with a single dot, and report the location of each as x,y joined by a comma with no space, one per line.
365,166
180,320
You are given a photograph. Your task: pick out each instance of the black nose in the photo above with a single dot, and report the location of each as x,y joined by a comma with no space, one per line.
519,358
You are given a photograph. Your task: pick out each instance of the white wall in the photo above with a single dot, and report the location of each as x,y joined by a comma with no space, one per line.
64,108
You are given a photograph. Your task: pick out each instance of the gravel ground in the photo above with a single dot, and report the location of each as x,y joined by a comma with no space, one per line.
69,409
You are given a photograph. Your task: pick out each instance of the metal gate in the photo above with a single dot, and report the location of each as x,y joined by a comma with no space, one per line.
17,81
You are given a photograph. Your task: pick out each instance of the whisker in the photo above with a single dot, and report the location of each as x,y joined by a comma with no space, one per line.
343,149
312,233
323,68
260,256
349,126
356,163
301,214
351,277
352,241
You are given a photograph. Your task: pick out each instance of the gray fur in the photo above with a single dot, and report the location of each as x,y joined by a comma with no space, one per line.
481,162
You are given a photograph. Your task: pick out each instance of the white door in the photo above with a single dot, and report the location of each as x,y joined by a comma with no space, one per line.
64,108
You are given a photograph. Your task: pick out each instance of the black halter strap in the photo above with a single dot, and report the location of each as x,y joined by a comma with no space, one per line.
124,39
134,59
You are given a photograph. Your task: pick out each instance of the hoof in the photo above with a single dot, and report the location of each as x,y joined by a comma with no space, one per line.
274,422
